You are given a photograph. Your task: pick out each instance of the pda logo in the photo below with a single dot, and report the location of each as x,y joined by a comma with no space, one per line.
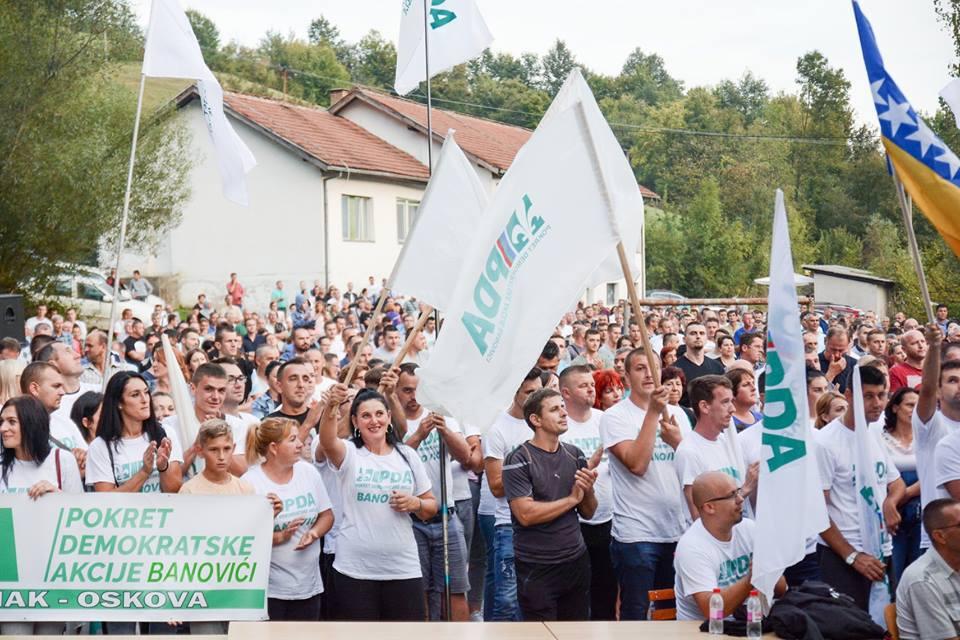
493,293
438,16
8,548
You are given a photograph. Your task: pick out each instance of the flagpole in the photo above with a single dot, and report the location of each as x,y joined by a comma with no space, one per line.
123,233
906,209
443,447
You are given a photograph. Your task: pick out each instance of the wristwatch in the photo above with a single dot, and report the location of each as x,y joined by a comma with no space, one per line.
850,559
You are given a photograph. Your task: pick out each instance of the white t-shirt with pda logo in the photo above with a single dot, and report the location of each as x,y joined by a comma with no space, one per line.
429,452
586,437
836,457
23,475
294,575
66,432
127,460
375,542
702,563
651,507
926,438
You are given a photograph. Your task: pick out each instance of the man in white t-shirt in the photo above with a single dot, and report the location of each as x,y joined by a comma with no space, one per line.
583,430
507,433
68,362
717,551
707,449
843,563
43,381
239,421
935,442
424,433
648,511
390,345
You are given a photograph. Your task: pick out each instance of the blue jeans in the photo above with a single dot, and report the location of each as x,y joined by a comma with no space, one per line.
505,606
906,544
640,568
487,533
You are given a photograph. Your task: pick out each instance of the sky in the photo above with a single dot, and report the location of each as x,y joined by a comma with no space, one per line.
702,42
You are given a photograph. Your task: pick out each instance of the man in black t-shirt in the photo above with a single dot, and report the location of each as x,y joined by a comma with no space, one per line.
694,363
547,484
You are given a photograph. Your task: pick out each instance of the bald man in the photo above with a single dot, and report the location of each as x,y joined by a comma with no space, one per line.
716,551
910,372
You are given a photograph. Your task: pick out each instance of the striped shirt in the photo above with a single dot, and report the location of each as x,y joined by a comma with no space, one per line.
928,599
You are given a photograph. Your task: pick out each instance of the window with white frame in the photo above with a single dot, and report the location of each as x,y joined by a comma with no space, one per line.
357,218
611,293
406,216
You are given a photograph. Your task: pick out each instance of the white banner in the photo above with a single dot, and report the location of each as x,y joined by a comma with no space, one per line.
790,504
546,230
457,34
134,556
172,51
449,214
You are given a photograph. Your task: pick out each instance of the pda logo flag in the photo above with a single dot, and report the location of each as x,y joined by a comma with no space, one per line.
457,34
545,232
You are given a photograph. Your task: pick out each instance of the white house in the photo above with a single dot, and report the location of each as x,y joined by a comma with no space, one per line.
332,197
853,287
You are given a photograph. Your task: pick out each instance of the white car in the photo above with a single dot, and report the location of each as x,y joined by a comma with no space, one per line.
92,297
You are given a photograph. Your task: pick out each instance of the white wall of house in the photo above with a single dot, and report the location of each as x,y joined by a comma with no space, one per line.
388,128
356,260
279,236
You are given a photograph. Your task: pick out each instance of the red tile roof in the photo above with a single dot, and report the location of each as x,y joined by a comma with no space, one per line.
493,143
336,142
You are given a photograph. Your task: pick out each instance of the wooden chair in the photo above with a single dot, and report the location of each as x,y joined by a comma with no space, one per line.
890,617
667,597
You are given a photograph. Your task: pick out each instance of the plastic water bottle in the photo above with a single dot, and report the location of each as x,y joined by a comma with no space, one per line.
651,609
716,613
754,615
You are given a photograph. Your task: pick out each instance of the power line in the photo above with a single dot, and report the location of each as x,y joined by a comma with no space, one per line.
620,125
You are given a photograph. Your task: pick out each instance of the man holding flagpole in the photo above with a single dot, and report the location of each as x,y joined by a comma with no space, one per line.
846,561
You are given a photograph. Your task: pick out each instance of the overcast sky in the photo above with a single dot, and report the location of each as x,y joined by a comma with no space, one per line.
702,42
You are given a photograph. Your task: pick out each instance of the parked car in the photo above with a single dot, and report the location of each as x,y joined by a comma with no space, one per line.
663,294
89,293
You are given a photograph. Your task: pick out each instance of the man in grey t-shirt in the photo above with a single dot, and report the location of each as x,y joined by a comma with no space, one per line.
547,484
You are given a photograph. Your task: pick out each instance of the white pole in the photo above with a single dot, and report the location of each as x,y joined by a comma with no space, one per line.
443,448
123,234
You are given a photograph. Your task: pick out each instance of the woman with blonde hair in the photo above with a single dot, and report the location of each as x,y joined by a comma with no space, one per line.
10,371
295,585
830,406
161,378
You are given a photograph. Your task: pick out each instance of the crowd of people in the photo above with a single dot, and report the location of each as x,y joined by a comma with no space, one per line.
603,480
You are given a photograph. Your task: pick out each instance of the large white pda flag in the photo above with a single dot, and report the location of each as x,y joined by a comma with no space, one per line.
621,182
544,233
457,34
447,219
790,504
172,51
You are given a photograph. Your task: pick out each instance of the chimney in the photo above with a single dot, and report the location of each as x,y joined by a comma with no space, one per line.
337,94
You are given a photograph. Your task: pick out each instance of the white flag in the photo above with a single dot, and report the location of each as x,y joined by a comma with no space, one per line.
951,95
172,51
790,504
180,392
544,233
873,532
621,182
457,34
447,220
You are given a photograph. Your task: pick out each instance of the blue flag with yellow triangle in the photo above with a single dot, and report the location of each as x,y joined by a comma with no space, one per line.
925,165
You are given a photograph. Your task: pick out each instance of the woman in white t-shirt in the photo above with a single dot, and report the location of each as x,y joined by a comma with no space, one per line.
295,585
132,453
383,483
29,466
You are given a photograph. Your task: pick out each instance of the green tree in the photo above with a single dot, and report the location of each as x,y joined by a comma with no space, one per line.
557,65
748,96
644,76
208,36
375,61
65,140
312,70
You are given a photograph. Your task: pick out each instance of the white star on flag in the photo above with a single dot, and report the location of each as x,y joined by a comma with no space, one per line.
924,136
875,88
949,158
897,115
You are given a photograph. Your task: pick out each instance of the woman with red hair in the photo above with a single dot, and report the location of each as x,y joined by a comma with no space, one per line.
609,388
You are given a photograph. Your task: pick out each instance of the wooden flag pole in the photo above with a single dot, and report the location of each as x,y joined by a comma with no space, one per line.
371,326
417,328
635,303
906,209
